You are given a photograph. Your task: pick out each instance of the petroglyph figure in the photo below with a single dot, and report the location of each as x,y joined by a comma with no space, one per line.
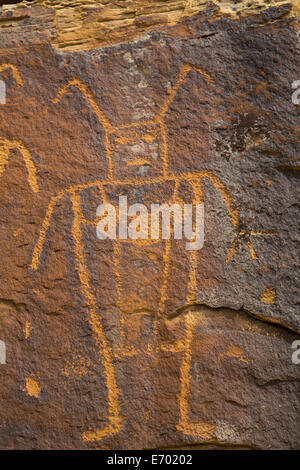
6,146
17,76
138,161
15,72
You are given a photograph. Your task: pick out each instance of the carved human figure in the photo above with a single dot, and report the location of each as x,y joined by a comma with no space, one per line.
152,279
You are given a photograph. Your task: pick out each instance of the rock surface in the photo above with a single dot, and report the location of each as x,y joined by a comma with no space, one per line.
144,344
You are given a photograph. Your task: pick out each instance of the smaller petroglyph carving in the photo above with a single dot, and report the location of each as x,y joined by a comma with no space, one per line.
6,145
33,387
17,76
15,71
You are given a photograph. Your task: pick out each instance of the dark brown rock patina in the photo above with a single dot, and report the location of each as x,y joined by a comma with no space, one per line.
122,344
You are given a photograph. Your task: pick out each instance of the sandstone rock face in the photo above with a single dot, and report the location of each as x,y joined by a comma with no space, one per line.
142,344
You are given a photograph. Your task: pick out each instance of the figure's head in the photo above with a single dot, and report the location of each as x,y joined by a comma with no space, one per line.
137,151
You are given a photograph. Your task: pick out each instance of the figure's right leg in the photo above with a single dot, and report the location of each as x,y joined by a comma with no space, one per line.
105,350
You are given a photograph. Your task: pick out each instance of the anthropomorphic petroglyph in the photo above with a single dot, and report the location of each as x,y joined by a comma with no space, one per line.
138,163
